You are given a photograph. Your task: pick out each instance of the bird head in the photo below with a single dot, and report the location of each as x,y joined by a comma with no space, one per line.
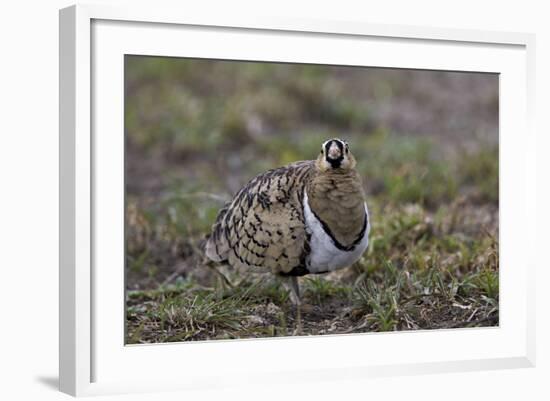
335,156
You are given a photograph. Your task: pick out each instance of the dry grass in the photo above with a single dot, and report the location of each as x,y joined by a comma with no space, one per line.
422,271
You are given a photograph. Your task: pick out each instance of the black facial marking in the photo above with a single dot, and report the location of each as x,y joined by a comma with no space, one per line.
334,163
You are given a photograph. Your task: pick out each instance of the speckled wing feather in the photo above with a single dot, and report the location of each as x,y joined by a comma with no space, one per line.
263,226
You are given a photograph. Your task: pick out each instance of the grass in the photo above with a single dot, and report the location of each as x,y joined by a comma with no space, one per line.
196,131
182,318
422,271
190,312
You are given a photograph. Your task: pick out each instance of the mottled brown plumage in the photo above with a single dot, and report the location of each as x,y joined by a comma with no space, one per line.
264,227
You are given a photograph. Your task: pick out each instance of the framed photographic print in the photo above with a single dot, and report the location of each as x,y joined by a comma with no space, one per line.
243,200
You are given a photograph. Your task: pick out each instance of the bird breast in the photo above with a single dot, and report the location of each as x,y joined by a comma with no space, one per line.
326,254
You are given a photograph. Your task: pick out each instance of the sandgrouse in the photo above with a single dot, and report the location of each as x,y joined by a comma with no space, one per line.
307,217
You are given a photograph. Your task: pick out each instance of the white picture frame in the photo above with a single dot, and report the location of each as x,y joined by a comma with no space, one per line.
93,357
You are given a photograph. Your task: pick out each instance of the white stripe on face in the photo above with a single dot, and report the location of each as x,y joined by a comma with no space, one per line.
335,140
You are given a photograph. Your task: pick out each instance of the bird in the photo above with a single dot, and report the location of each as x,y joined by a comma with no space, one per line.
308,217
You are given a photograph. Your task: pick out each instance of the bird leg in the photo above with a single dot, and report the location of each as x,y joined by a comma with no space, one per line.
291,283
222,278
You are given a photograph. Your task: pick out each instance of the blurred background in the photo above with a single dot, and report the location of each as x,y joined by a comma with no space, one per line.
426,143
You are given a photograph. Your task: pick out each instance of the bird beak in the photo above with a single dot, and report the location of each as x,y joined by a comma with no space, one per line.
334,151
